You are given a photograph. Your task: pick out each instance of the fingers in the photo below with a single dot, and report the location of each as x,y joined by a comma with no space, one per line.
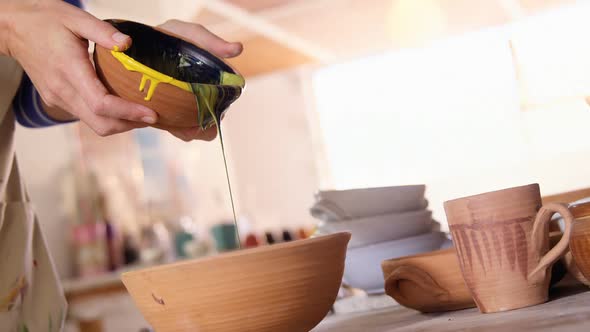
101,103
104,34
105,114
102,125
198,34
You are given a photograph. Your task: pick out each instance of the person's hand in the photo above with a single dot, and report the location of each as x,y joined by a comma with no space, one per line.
197,34
49,38
55,56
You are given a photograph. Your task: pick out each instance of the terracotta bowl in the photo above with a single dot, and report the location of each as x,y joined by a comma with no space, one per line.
284,287
194,79
429,282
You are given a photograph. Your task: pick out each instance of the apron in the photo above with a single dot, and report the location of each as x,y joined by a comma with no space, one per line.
31,297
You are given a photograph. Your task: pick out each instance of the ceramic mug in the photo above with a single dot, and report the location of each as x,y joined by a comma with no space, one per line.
502,242
579,265
579,242
429,282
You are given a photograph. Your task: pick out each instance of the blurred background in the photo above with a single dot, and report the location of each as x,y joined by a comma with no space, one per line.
463,96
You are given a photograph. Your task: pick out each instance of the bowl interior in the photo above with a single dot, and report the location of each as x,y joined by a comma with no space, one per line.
172,56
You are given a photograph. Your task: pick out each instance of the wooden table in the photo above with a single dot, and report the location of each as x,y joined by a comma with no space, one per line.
568,310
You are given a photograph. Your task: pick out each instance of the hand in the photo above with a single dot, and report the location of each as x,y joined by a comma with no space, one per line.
49,38
197,34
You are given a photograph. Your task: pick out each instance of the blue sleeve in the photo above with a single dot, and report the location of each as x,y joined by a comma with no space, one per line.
27,105
74,2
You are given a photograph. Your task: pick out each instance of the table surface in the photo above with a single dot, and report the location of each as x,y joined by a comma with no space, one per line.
567,310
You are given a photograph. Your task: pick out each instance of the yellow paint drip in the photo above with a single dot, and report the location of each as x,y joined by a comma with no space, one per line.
154,76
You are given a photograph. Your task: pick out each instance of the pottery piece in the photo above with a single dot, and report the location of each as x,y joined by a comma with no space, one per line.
502,241
363,264
581,211
285,287
572,268
388,227
194,79
432,282
429,282
334,205
580,250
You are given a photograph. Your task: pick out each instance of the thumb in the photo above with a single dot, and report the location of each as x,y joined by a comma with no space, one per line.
100,32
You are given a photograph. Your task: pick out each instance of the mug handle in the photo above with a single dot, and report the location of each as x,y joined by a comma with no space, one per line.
540,231
415,275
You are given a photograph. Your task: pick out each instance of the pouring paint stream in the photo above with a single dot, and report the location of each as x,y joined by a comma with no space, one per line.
213,99
231,196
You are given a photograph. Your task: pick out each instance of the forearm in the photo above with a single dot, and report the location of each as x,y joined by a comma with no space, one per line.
30,110
6,8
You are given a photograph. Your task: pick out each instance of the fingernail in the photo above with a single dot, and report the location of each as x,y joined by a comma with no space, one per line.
148,120
236,49
120,38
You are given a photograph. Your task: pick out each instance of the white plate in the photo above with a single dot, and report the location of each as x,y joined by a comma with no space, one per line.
359,203
388,227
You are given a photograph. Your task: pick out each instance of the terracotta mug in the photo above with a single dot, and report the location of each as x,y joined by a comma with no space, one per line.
502,241
429,282
580,250
579,241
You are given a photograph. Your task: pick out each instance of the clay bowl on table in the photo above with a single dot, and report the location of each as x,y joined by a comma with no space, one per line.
376,229
429,282
285,287
177,79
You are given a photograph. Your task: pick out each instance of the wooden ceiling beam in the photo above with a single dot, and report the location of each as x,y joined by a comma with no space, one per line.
271,31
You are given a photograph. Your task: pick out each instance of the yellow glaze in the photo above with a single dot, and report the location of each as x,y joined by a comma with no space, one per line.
155,77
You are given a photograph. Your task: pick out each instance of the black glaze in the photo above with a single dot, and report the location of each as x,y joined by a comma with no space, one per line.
164,53
185,62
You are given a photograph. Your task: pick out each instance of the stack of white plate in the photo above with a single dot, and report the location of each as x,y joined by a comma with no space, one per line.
385,223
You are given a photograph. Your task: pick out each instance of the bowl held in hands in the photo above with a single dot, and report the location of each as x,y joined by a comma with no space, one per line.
180,81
